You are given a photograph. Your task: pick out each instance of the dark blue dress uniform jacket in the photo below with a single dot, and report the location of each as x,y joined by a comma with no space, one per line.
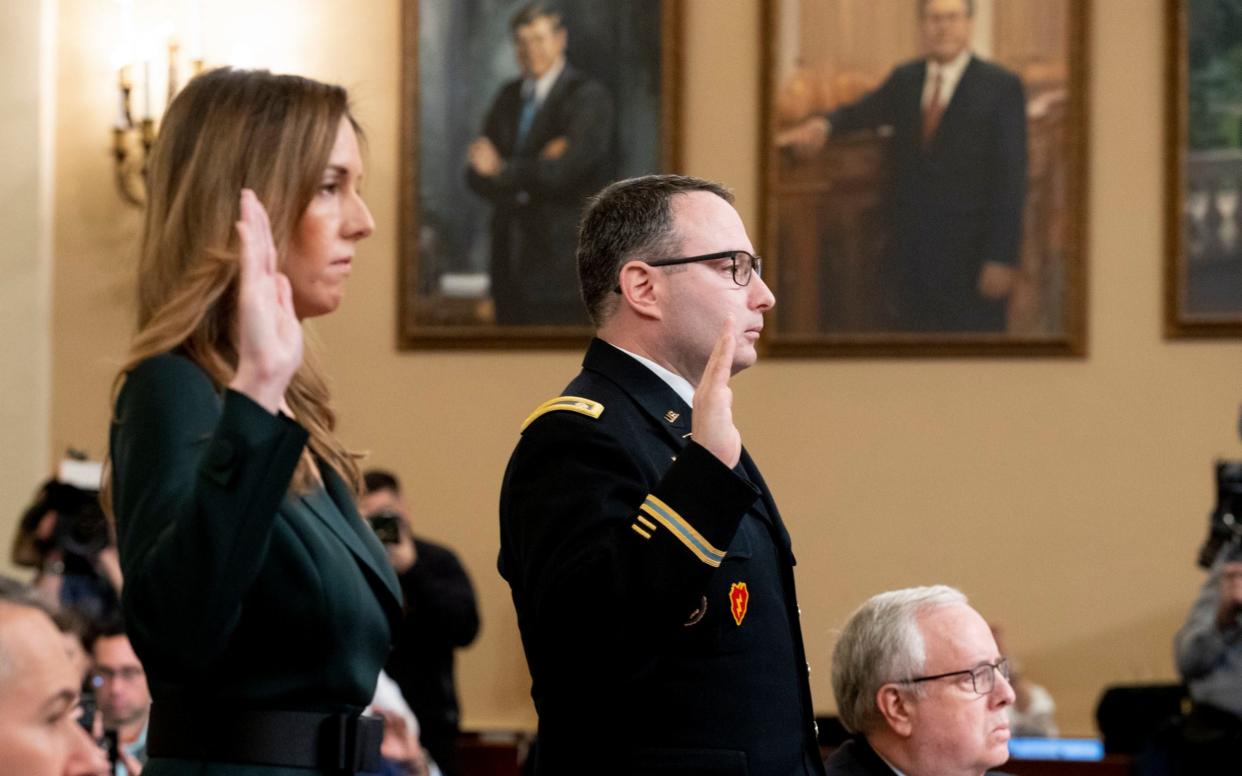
654,590
239,595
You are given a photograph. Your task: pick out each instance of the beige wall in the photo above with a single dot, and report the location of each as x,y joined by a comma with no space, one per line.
25,260
1067,497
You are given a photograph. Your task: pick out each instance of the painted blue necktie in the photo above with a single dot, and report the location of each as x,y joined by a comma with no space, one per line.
529,105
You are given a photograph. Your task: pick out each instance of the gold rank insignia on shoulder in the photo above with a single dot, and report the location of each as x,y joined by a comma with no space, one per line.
671,416
592,409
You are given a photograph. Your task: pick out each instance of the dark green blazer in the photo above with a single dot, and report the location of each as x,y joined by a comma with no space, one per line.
239,594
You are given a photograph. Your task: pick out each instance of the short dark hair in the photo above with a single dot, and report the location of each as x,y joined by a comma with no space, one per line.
380,479
970,7
628,218
109,628
531,12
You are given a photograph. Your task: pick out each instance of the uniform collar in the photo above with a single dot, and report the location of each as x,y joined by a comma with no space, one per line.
655,397
680,385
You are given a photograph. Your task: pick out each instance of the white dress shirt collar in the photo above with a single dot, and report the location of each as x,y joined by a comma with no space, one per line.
680,385
951,73
544,83
886,762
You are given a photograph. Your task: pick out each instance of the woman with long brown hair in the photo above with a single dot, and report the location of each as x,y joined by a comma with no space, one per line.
259,602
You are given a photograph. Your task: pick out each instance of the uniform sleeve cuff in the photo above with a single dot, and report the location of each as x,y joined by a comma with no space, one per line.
701,502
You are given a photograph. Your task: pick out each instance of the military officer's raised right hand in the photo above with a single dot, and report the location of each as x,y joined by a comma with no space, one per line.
711,425
269,334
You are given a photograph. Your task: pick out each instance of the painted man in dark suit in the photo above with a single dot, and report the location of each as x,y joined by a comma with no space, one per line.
547,145
920,682
650,569
959,175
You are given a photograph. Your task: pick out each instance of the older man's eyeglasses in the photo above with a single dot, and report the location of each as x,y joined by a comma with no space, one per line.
982,678
745,265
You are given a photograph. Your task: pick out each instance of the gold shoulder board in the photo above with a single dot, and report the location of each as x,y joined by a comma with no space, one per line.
592,409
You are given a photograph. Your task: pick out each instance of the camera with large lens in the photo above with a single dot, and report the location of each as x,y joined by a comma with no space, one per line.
1225,521
81,529
65,518
387,526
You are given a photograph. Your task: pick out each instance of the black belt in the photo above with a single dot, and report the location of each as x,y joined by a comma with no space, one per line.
344,742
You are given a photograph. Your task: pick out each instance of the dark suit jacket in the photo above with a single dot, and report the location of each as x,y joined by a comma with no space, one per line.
958,203
537,202
239,594
643,656
856,758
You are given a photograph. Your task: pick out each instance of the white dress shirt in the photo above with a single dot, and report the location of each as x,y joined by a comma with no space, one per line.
680,385
951,74
544,83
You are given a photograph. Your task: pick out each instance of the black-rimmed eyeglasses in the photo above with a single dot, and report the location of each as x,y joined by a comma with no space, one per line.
982,678
745,264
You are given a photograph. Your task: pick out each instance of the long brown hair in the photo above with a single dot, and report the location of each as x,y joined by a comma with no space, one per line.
228,130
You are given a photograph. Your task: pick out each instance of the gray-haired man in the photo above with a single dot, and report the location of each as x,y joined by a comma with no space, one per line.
39,732
919,680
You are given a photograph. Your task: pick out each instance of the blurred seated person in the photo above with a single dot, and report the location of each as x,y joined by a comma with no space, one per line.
65,537
121,695
441,614
920,682
1033,711
1208,649
39,732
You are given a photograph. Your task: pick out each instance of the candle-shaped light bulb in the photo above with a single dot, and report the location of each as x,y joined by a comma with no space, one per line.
122,96
194,40
173,47
146,88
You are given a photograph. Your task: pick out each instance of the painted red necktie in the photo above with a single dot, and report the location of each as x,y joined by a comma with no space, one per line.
933,110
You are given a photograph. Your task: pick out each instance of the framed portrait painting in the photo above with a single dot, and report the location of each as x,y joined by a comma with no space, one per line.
513,113
1203,212
925,176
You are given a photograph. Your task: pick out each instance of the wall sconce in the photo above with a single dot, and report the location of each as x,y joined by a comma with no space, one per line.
132,140
137,85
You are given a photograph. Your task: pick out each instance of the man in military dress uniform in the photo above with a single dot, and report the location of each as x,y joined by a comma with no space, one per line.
650,569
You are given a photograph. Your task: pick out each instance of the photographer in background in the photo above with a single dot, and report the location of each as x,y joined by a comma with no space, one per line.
65,536
1208,647
440,615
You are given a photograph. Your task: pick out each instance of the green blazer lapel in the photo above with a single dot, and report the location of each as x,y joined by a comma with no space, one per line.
351,530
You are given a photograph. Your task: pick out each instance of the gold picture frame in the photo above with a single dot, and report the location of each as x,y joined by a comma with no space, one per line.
1203,191
457,62
875,244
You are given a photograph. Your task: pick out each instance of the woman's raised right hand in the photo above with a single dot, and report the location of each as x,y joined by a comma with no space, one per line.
269,334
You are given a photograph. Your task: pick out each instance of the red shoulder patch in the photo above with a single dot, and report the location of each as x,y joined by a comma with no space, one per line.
739,596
